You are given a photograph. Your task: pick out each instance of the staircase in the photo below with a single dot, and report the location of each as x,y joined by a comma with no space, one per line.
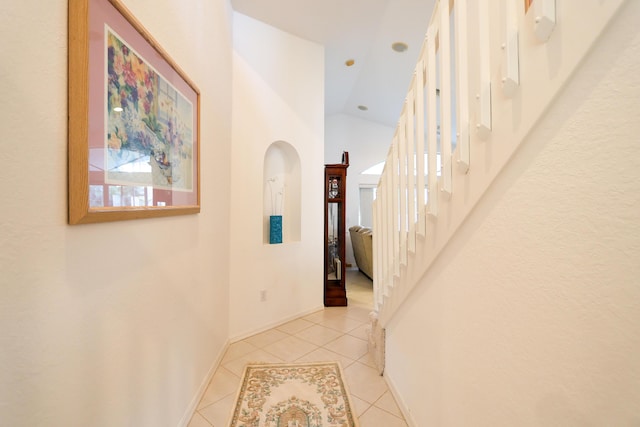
488,71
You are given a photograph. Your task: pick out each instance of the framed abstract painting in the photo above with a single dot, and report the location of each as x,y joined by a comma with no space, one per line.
134,120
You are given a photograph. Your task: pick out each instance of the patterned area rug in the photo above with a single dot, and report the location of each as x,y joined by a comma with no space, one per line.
293,395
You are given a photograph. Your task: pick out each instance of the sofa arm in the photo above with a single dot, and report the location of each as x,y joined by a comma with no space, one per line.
362,242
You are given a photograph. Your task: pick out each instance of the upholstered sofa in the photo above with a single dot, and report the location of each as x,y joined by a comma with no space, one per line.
362,242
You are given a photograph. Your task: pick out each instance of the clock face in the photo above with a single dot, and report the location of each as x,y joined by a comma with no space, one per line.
334,187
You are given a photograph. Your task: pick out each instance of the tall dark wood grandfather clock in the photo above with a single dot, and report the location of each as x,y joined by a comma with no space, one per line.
335,189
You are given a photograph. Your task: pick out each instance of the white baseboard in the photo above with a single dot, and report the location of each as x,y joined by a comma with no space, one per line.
408,417
193,406
274,324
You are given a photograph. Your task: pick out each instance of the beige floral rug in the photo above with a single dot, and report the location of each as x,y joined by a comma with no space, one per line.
293,395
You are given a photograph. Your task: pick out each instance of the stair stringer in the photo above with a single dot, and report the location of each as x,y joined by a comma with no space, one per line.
545,69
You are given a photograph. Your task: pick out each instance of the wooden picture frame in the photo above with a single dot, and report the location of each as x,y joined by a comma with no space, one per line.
134,121
527,5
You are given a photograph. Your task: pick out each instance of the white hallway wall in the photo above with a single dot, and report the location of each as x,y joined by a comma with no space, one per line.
278,86
108,324
530,315
368,143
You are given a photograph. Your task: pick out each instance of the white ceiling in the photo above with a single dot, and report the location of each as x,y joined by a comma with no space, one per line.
363,30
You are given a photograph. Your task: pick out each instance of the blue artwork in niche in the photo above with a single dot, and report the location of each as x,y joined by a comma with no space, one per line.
275,229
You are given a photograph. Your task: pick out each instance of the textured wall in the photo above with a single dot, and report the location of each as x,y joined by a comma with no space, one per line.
278,92
109,324
530,315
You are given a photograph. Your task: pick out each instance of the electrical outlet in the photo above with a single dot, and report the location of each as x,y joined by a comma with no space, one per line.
263,295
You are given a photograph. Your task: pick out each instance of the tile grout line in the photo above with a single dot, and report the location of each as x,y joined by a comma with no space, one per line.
358,314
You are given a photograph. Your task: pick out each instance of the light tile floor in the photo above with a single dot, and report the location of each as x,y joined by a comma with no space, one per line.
336,333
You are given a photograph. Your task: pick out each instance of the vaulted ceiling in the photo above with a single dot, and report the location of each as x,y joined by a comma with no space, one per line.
361,30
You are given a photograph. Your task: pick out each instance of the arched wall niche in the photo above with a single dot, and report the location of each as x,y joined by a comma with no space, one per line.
282,190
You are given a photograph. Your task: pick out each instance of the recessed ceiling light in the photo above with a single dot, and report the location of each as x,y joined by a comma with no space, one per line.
363,107
400,46
349,62
117,109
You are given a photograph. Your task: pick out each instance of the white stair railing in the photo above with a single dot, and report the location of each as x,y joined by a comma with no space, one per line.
473,66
